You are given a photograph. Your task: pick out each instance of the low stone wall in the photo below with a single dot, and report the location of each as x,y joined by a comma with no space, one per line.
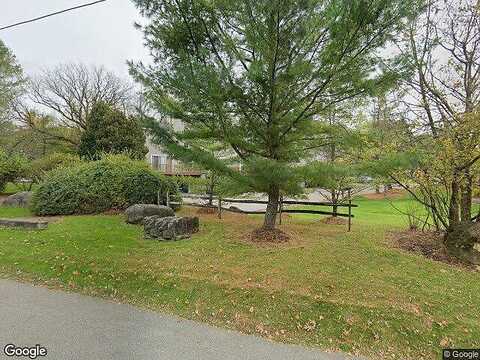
31,224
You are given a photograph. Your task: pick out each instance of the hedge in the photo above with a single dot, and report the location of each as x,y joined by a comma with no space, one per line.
114,182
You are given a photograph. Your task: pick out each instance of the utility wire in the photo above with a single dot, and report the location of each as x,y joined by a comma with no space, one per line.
52,14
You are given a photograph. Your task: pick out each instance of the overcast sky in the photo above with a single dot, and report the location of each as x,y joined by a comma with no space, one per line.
102,34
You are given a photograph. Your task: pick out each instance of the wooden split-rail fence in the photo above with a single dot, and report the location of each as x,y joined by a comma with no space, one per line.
220,205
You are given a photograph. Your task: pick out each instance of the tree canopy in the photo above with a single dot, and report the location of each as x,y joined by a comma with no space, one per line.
11,78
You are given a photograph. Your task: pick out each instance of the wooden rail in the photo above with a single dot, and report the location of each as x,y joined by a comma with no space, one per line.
287,202
255,212
281,208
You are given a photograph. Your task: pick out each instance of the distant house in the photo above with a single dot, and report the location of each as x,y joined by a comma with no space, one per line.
159,160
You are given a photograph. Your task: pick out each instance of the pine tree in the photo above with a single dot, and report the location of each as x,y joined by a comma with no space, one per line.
255,75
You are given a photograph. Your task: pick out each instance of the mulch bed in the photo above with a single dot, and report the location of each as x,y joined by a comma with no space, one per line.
269,236
390,194
426,243
334,220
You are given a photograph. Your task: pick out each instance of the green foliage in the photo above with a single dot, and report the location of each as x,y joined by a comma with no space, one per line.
329,175
40,167
11,77
110,131
12,167
476,191
262,174
114,182
390,163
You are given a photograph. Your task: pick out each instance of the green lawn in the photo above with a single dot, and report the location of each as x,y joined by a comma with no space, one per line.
328,288
14,212
371,212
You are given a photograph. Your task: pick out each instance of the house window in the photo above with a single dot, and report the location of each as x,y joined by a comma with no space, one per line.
159,162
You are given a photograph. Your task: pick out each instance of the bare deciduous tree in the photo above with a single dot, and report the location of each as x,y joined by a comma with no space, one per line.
443,49
69,91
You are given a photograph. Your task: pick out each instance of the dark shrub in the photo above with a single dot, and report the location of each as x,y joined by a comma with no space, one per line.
115,182
110,131
12,167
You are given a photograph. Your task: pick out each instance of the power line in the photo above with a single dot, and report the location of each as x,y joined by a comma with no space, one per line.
51,14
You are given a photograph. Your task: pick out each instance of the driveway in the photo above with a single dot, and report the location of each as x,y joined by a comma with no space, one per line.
76,327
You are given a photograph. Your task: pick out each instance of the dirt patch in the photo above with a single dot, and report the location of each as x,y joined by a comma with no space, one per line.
426,243
207,210
390,194
50,219
269,236
334,220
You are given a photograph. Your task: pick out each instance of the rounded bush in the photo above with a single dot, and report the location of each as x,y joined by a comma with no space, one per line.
40,167
115,182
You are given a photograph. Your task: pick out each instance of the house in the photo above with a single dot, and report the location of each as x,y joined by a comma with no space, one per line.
161,161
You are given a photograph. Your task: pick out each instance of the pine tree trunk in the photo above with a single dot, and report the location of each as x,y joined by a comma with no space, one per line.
335,202
210,195
272,208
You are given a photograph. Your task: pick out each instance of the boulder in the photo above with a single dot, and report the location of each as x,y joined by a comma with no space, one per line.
137,213
21,199
170,228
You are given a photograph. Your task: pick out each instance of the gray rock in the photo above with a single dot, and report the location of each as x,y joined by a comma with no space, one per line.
170,228
21,199
137,213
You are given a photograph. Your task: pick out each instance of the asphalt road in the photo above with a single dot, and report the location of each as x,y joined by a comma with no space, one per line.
76,327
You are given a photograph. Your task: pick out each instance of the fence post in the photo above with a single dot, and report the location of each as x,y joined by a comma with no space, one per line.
168,198
349,210
280,209
158,197
219,207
